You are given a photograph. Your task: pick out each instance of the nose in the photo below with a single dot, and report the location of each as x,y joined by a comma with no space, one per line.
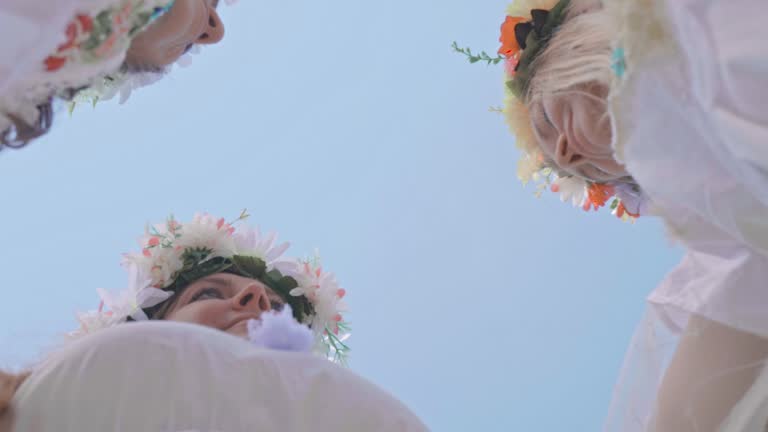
253,297
214,31
565,157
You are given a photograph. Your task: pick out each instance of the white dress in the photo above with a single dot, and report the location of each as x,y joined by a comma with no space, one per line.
174,377
691,124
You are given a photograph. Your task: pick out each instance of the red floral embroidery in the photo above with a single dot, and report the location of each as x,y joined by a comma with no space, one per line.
81,26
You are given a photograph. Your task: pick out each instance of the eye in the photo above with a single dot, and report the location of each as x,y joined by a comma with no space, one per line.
276,305
546,116
207,294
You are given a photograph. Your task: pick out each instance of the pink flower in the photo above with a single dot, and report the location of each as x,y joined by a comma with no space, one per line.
511,63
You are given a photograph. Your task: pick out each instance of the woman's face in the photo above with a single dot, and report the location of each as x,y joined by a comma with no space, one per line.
574,131
188,22
224,301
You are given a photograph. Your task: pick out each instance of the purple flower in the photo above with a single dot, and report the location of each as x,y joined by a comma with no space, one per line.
632,197
280,331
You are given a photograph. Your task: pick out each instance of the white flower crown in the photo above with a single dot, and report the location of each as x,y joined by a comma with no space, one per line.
124,83
173,249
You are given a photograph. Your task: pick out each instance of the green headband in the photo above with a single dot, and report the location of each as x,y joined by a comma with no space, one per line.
539,33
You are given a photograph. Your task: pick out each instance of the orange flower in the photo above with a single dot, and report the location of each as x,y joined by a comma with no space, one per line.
621,211
598,195
509,45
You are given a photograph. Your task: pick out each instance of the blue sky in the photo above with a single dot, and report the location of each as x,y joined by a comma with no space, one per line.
349,127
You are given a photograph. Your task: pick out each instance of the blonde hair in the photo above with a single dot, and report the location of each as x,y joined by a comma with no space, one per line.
578,54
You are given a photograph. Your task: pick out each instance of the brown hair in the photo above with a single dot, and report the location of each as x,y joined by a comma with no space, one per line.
20,133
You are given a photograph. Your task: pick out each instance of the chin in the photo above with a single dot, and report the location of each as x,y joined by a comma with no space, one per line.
598,174
240,329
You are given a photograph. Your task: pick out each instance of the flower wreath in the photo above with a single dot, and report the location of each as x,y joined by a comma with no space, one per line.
524,35
173,255
91,38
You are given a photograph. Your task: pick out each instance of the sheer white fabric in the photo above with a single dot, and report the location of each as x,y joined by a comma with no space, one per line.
691,118
173,377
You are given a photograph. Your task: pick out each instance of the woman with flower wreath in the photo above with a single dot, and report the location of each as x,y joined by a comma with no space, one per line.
69,50
660,107
215,332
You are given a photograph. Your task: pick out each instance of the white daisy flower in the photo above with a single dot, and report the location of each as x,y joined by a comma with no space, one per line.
206,231
251,242
571,189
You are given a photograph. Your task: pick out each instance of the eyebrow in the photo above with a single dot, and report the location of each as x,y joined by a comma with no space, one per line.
216,279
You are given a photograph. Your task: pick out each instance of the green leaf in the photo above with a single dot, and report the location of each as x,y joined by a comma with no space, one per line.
194,256
250,265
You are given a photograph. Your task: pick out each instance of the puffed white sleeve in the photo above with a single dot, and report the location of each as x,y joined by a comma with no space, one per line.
173,377
692,128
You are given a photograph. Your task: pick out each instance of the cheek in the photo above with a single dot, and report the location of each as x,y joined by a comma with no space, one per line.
209,313
163,42
184,22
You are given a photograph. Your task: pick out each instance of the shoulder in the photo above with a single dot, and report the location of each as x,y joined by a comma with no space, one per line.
185,376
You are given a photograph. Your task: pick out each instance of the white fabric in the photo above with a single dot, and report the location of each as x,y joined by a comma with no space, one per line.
691,119
33,30
173,377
